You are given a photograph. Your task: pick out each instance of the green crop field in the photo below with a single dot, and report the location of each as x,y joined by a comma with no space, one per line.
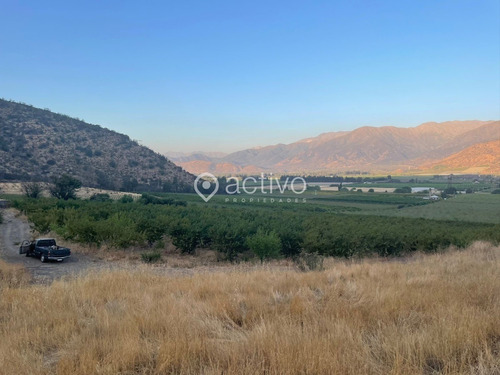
480,207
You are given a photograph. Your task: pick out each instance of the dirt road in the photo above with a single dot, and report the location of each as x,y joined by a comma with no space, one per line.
14,230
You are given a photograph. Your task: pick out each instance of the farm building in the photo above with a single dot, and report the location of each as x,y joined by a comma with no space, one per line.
432,197
421,189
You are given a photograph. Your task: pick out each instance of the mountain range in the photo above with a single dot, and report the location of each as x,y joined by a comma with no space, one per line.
452,146
37,144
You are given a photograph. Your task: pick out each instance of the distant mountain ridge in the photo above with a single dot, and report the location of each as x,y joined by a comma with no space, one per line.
196,155
36,144
370,149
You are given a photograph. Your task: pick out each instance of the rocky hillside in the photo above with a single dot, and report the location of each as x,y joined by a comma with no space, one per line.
37,144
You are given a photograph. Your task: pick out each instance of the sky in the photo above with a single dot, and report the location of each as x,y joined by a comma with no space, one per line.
227,75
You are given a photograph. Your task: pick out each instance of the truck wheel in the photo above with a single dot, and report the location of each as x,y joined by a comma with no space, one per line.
43,259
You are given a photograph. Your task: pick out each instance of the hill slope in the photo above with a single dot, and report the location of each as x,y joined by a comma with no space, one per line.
36,144
479,158
367,148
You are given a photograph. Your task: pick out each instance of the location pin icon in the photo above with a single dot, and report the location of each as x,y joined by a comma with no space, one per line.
206,184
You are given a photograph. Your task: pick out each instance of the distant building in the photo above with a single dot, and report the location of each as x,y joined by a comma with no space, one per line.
432,197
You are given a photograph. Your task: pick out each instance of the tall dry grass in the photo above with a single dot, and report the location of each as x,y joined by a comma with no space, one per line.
434,314
13,275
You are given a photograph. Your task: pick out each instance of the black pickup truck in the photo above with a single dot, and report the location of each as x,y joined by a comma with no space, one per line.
45,249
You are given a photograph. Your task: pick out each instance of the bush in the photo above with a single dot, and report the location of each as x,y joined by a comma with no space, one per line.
291,242
32,189
184,237
151,256
126,199
151,199
496,191
309,262
371,191
152,228
265,245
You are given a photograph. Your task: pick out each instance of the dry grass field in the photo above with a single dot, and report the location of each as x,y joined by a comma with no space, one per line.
430,314
12,275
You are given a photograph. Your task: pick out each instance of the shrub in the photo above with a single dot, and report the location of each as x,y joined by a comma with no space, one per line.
126,199
265,245
152,229
309,262
41,223
291,242
496,191
151,199
160,244
151,256
184,237
119,231
32,189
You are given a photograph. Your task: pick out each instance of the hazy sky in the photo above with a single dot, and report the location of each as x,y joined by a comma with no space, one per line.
226,75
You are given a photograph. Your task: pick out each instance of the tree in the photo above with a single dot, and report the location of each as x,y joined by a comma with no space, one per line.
32,189
100,197
450,190
184,236
65,187
403,190
129,183
265,245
